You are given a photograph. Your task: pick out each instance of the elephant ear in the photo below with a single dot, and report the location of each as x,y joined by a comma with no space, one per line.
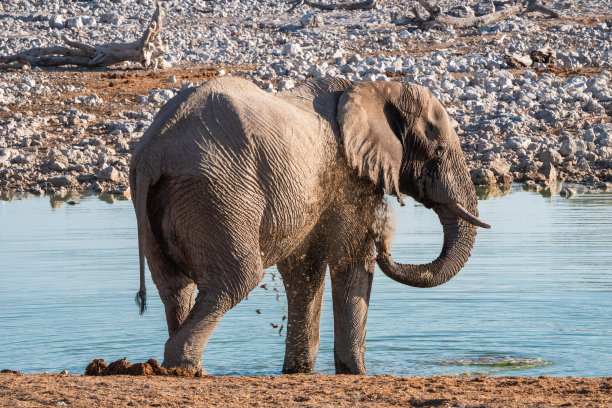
370,124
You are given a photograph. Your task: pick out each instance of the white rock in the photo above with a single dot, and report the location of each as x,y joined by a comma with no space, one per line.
89,21
292,49
57,21
286,84
311,20
74,22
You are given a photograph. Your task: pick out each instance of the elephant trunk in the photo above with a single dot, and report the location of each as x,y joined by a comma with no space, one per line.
459,236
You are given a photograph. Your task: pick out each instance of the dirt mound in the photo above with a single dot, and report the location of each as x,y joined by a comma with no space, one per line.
123,367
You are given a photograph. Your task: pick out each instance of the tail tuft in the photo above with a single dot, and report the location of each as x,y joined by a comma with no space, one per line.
141,300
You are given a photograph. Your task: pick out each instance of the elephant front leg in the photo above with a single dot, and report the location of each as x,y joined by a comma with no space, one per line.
351,286
304,280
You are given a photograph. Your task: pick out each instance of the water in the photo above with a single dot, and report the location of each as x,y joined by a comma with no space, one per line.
534,299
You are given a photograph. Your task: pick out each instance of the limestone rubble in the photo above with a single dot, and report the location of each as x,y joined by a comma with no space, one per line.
70,128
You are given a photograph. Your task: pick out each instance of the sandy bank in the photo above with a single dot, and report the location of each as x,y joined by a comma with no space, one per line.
303,391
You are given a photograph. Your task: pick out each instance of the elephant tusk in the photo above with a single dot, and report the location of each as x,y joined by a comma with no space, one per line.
461,212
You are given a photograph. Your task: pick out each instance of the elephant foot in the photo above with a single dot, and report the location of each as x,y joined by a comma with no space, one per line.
183,368
355,367
298,368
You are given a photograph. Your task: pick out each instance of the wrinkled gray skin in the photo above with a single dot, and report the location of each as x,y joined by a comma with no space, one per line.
229,180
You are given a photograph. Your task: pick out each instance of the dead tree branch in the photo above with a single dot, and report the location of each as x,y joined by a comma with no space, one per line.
361,5
148,51
437,18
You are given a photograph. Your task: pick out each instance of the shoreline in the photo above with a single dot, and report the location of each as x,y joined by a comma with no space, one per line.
303,390
88,146
483,192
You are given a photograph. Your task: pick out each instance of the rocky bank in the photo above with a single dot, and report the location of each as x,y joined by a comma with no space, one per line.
71,128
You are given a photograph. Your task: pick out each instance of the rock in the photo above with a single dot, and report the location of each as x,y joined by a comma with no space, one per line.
109,173
504,179
57,21
482,176
89,21
484,7
567,192
95,186
499,166
75,22
516,143
57,166
548,171
547,115
160,95
311,20
86,177
460,11
62,181
570,147
518,61
470,94
285,84
594,107
292,49
551,156
604,152
111,18
543,55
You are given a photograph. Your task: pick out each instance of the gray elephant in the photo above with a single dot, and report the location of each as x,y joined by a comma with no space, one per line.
229,180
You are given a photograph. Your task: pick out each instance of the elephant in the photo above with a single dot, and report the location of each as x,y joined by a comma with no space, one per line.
229,180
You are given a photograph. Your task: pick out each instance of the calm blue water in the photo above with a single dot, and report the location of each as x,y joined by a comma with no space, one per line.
534,299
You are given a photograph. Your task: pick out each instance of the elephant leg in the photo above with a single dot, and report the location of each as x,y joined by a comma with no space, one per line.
175,289
221,287
351,286
303,275
178,301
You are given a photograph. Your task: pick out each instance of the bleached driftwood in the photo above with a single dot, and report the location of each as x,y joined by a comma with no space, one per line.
437,18
148,51
361,5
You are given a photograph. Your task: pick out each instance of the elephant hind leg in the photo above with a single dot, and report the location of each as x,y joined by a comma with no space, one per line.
303,275
225,265
175,288
216,295
216,249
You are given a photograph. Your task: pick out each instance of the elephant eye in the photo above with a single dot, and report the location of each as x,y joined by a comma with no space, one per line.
439,151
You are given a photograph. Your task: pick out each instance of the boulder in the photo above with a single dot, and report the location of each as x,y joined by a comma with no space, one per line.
109,173
551,156
499,166
311,20
482,177
62,181
548,171
569,147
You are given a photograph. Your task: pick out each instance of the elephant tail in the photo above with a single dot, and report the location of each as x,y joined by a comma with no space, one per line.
140,206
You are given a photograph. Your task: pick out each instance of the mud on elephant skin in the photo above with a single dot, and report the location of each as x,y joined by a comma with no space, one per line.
229,180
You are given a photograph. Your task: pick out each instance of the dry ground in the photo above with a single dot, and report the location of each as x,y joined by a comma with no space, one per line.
302,391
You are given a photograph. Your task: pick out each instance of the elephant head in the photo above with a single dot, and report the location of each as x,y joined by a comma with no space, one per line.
400,137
